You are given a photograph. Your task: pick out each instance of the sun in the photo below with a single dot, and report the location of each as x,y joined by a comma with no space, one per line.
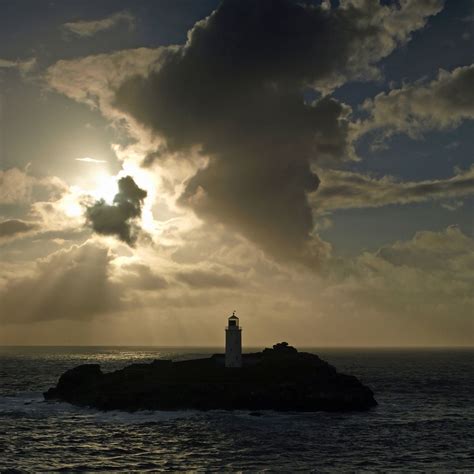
105,187
102,185
70,203
146,181
99,186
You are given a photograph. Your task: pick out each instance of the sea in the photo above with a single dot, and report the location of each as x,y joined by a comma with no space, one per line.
424,420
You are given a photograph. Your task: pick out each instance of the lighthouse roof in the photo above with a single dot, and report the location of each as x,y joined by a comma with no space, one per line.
233,316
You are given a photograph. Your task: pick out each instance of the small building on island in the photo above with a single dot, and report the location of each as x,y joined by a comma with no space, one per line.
233,342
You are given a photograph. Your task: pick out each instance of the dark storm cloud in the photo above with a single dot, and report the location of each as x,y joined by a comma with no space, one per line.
236,90
11,227
118,218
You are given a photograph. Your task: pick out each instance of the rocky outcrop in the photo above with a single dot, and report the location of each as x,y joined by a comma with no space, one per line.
275,379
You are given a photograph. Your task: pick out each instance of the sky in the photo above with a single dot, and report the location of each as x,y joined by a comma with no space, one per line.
308,164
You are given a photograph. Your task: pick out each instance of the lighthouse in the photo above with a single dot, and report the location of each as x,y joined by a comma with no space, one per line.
233,342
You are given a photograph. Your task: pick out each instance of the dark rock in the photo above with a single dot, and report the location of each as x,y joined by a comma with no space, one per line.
284,348
278,379
76,383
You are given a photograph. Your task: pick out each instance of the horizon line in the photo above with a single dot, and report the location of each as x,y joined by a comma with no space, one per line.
248,347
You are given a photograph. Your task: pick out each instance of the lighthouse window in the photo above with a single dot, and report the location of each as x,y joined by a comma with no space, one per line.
232,322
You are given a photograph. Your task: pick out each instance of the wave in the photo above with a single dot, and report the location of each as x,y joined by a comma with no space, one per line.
32,404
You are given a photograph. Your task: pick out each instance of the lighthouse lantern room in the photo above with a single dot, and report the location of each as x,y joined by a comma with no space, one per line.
233,342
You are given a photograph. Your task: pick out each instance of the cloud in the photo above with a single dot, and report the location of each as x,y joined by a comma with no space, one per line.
411,292
88,281
11,227
468,19
236,91
118,219
141,277
87,159
345,190
408,293
414,108
48,208
88,28
417,291
69,284
447,251
93,80
18,187
23,66
421,289
452,205
201,279
82,282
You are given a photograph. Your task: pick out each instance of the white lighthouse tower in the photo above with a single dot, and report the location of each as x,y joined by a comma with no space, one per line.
233,343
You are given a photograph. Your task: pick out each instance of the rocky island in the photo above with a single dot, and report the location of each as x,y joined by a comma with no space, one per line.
280,378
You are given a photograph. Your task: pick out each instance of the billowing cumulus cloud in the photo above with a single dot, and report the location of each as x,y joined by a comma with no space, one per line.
236,91
88,28
345,190
414,108
119,218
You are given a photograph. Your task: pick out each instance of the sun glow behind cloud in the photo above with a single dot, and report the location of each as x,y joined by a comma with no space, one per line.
145,181
95,180
71,202
99,184
105,187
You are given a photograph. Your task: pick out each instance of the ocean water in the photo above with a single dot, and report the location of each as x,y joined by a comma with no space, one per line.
424,420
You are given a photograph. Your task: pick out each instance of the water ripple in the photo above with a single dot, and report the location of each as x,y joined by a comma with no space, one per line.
424,421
